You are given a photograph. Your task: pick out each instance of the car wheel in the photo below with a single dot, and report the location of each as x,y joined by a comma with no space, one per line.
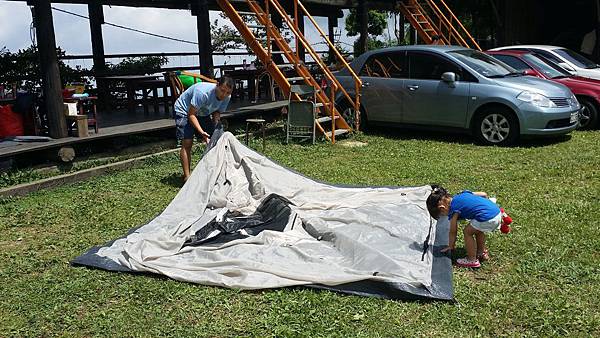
588,115
348,112
496,126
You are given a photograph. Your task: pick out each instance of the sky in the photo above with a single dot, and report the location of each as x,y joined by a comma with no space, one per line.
73,33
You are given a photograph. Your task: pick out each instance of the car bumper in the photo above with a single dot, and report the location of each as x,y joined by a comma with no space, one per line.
548,121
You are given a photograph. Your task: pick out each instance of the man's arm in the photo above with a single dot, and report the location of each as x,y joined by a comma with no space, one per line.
196,124
452,234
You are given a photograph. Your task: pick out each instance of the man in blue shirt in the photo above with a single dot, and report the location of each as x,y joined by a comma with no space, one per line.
197,111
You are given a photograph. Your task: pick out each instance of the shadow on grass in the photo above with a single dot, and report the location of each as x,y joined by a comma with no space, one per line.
174,180
542,142
403,133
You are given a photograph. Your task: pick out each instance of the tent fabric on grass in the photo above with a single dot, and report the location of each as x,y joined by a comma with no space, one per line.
243,221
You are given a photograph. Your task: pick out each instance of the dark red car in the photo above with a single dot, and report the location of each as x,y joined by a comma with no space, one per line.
586,90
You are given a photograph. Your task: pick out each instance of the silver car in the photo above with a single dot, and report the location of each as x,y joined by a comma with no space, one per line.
457,88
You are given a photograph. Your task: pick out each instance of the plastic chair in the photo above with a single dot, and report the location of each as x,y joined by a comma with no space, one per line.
301,115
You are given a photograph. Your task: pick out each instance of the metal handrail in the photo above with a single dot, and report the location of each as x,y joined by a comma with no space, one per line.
461,25
448,25
357,80
310,50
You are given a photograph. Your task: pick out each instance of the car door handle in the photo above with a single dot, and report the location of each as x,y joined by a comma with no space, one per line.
366,84
412,87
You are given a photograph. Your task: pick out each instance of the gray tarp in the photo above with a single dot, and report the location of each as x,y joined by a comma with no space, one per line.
243,221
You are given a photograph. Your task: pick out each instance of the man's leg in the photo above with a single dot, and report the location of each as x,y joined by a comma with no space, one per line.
185,154
185,133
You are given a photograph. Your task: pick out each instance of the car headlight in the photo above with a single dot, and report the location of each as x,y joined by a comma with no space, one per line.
536,99
574,101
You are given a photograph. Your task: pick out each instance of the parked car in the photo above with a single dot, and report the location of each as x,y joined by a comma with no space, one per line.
587,91
573,62
456,87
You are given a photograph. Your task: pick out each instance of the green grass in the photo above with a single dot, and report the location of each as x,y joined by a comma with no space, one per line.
543,279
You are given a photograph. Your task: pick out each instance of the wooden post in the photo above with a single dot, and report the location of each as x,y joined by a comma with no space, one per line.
412,38
401,30
278,23
301,50
204,38
331,24
44,30
96,20
596,51
363,23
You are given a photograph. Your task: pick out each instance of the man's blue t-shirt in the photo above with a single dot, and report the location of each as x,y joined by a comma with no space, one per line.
203,96
471,206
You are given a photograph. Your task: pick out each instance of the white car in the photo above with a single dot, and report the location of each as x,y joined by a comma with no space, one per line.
573,62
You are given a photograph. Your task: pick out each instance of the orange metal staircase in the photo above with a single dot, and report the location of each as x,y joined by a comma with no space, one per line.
329,121
434,17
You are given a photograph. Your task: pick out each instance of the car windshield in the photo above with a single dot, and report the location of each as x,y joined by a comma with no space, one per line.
549,69
484,64
577,59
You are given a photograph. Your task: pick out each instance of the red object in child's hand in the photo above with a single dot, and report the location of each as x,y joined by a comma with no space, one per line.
506,220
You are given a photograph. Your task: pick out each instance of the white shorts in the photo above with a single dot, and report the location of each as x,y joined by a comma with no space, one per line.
489,225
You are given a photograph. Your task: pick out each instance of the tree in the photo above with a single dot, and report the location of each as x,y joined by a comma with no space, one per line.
136,65
376,25
23,68
225,37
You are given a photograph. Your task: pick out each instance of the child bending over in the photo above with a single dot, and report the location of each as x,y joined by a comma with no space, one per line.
483,215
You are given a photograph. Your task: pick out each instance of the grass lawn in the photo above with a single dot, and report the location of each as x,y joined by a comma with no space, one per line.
543,279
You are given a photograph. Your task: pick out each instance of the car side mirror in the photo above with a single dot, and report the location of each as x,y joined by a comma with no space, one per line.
529,72
449,78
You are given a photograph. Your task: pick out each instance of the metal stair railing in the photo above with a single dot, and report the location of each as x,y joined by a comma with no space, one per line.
328,103
263,17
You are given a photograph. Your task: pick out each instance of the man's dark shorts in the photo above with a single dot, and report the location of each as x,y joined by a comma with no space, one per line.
185,130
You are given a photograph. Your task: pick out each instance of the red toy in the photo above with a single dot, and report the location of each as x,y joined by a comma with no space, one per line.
506,221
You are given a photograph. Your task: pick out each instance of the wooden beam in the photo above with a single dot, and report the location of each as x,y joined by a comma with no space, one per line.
301,49
204,38
96,15
363,23
277,22
52,85
331,24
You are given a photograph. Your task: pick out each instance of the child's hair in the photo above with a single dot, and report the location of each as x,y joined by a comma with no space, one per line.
437,194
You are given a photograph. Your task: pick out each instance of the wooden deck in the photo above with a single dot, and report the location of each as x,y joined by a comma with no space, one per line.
113,130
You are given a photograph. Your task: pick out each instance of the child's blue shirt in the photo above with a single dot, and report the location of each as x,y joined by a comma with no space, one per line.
203,96
471,206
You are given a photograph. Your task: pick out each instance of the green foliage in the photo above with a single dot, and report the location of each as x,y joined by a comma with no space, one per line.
23,67
372,44
543,278
376,23
137,65
226,38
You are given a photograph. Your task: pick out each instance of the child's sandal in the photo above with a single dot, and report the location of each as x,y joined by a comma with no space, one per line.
484,256
466,263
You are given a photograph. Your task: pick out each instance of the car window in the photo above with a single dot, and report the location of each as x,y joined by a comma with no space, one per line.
550,70
548,55
389,65
484,64
426,66
512,61
577,59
